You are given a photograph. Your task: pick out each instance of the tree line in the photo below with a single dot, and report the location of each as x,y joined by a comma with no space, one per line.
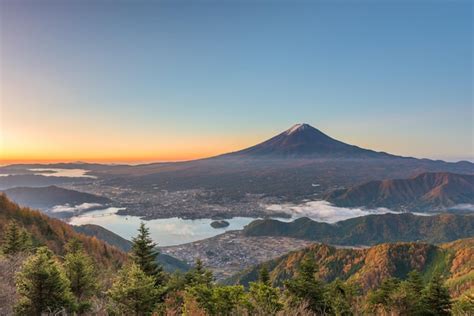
73,285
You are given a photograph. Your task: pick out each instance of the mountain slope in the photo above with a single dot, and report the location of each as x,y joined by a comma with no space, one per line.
286,165
427,192
45,198
54,233
368,267
168,262
371,229
305,141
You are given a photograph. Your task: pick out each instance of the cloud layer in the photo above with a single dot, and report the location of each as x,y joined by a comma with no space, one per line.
75,208
463,207
323,211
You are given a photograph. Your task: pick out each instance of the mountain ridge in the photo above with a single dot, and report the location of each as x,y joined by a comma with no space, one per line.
430,191
47,197
370,229
367,267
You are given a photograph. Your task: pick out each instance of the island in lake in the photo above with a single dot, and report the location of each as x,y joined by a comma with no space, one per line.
219,224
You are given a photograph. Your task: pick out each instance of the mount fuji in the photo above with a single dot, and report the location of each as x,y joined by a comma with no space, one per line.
305,141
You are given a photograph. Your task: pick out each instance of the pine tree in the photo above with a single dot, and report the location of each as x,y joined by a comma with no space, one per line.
381,298
436,299
144,254
264,276
415,282
307,288
80,271
199,275
406,298
341,297
42,285
263,299
16,239
133,292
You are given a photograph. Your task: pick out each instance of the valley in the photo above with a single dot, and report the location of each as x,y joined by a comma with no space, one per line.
230,252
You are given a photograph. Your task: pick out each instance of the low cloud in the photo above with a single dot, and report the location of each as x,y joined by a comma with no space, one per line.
463,207
323,211
75,208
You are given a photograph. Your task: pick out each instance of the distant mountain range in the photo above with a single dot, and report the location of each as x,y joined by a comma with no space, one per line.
45,198
287,165
425,192
370,229
368,267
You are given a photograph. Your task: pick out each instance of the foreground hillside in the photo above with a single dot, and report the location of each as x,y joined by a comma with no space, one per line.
371,229
370,266
54,233
425,192
42,274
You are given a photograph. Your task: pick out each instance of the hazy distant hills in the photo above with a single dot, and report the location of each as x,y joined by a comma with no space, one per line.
45,198
287,165
371,229
368,267
426,192
305,141
32,180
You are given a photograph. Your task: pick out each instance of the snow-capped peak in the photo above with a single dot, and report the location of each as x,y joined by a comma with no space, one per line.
296,127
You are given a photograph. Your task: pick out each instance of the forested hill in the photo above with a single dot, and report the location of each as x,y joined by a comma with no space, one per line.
371,229
369,266
54,233
429,191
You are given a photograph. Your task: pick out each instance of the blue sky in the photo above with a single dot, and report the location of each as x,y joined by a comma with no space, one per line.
145,80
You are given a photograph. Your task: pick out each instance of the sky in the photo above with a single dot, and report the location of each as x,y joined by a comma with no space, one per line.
139,81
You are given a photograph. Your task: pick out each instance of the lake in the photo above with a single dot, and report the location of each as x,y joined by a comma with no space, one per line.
164,231
51,172
175,231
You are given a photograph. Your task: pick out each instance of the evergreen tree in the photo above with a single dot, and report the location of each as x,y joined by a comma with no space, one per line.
415,282
406,299
264,276
80,271
16,240
42,285
144,254
341,297
307,288
199,275
436,299
263,299
381,298
216,300
133,292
